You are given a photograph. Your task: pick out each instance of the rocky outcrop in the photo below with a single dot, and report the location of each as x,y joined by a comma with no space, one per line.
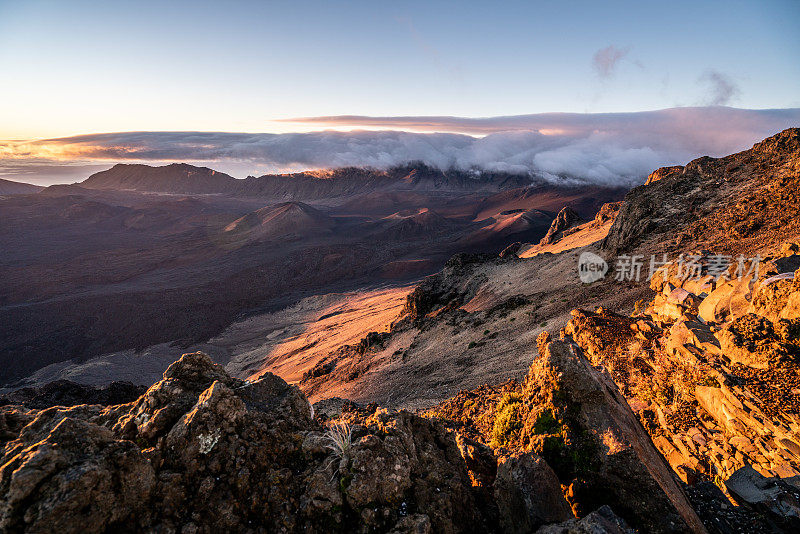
446,289
566,219
664,172
608,212
594,441
511,250
731,204
203,452
573,417
710,367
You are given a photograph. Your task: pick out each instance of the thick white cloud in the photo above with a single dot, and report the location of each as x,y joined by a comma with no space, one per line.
606,148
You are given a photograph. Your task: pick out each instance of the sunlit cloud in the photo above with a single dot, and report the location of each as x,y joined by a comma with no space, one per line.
603,148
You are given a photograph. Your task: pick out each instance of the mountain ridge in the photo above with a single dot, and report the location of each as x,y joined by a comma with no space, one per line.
187,179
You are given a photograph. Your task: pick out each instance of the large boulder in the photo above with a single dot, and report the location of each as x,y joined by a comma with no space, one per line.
778,499
69,475
528,494
597,446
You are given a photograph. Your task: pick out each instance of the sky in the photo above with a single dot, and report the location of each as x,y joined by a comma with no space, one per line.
84,68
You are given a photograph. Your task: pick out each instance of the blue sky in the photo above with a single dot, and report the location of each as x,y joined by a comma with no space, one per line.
83,67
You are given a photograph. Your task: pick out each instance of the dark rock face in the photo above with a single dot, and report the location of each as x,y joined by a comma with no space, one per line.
446,288
528,494
203,452
565,219
601,521
596,446
573,417
511,250
775,498
66,393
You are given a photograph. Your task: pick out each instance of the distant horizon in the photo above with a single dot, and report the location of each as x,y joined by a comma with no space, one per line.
601,148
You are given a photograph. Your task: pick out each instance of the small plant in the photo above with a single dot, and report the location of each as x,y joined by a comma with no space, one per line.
472,345
485,332
546,423
507,421
340,439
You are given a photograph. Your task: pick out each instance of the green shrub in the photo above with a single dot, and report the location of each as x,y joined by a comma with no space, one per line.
507,420
546,423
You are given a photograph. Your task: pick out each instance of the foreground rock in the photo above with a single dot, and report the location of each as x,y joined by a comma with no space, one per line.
575,419
203,452
711,366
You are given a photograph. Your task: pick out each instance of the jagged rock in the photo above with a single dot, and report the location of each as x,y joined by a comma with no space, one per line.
778,499
203,452
511,250
167,400
608,212
664,172
444,290
716,201
528,494
601,521
73,476
605,451
565,219
406,456
751,340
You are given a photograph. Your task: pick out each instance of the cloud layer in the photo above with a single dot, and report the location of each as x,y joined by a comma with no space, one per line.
606,148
